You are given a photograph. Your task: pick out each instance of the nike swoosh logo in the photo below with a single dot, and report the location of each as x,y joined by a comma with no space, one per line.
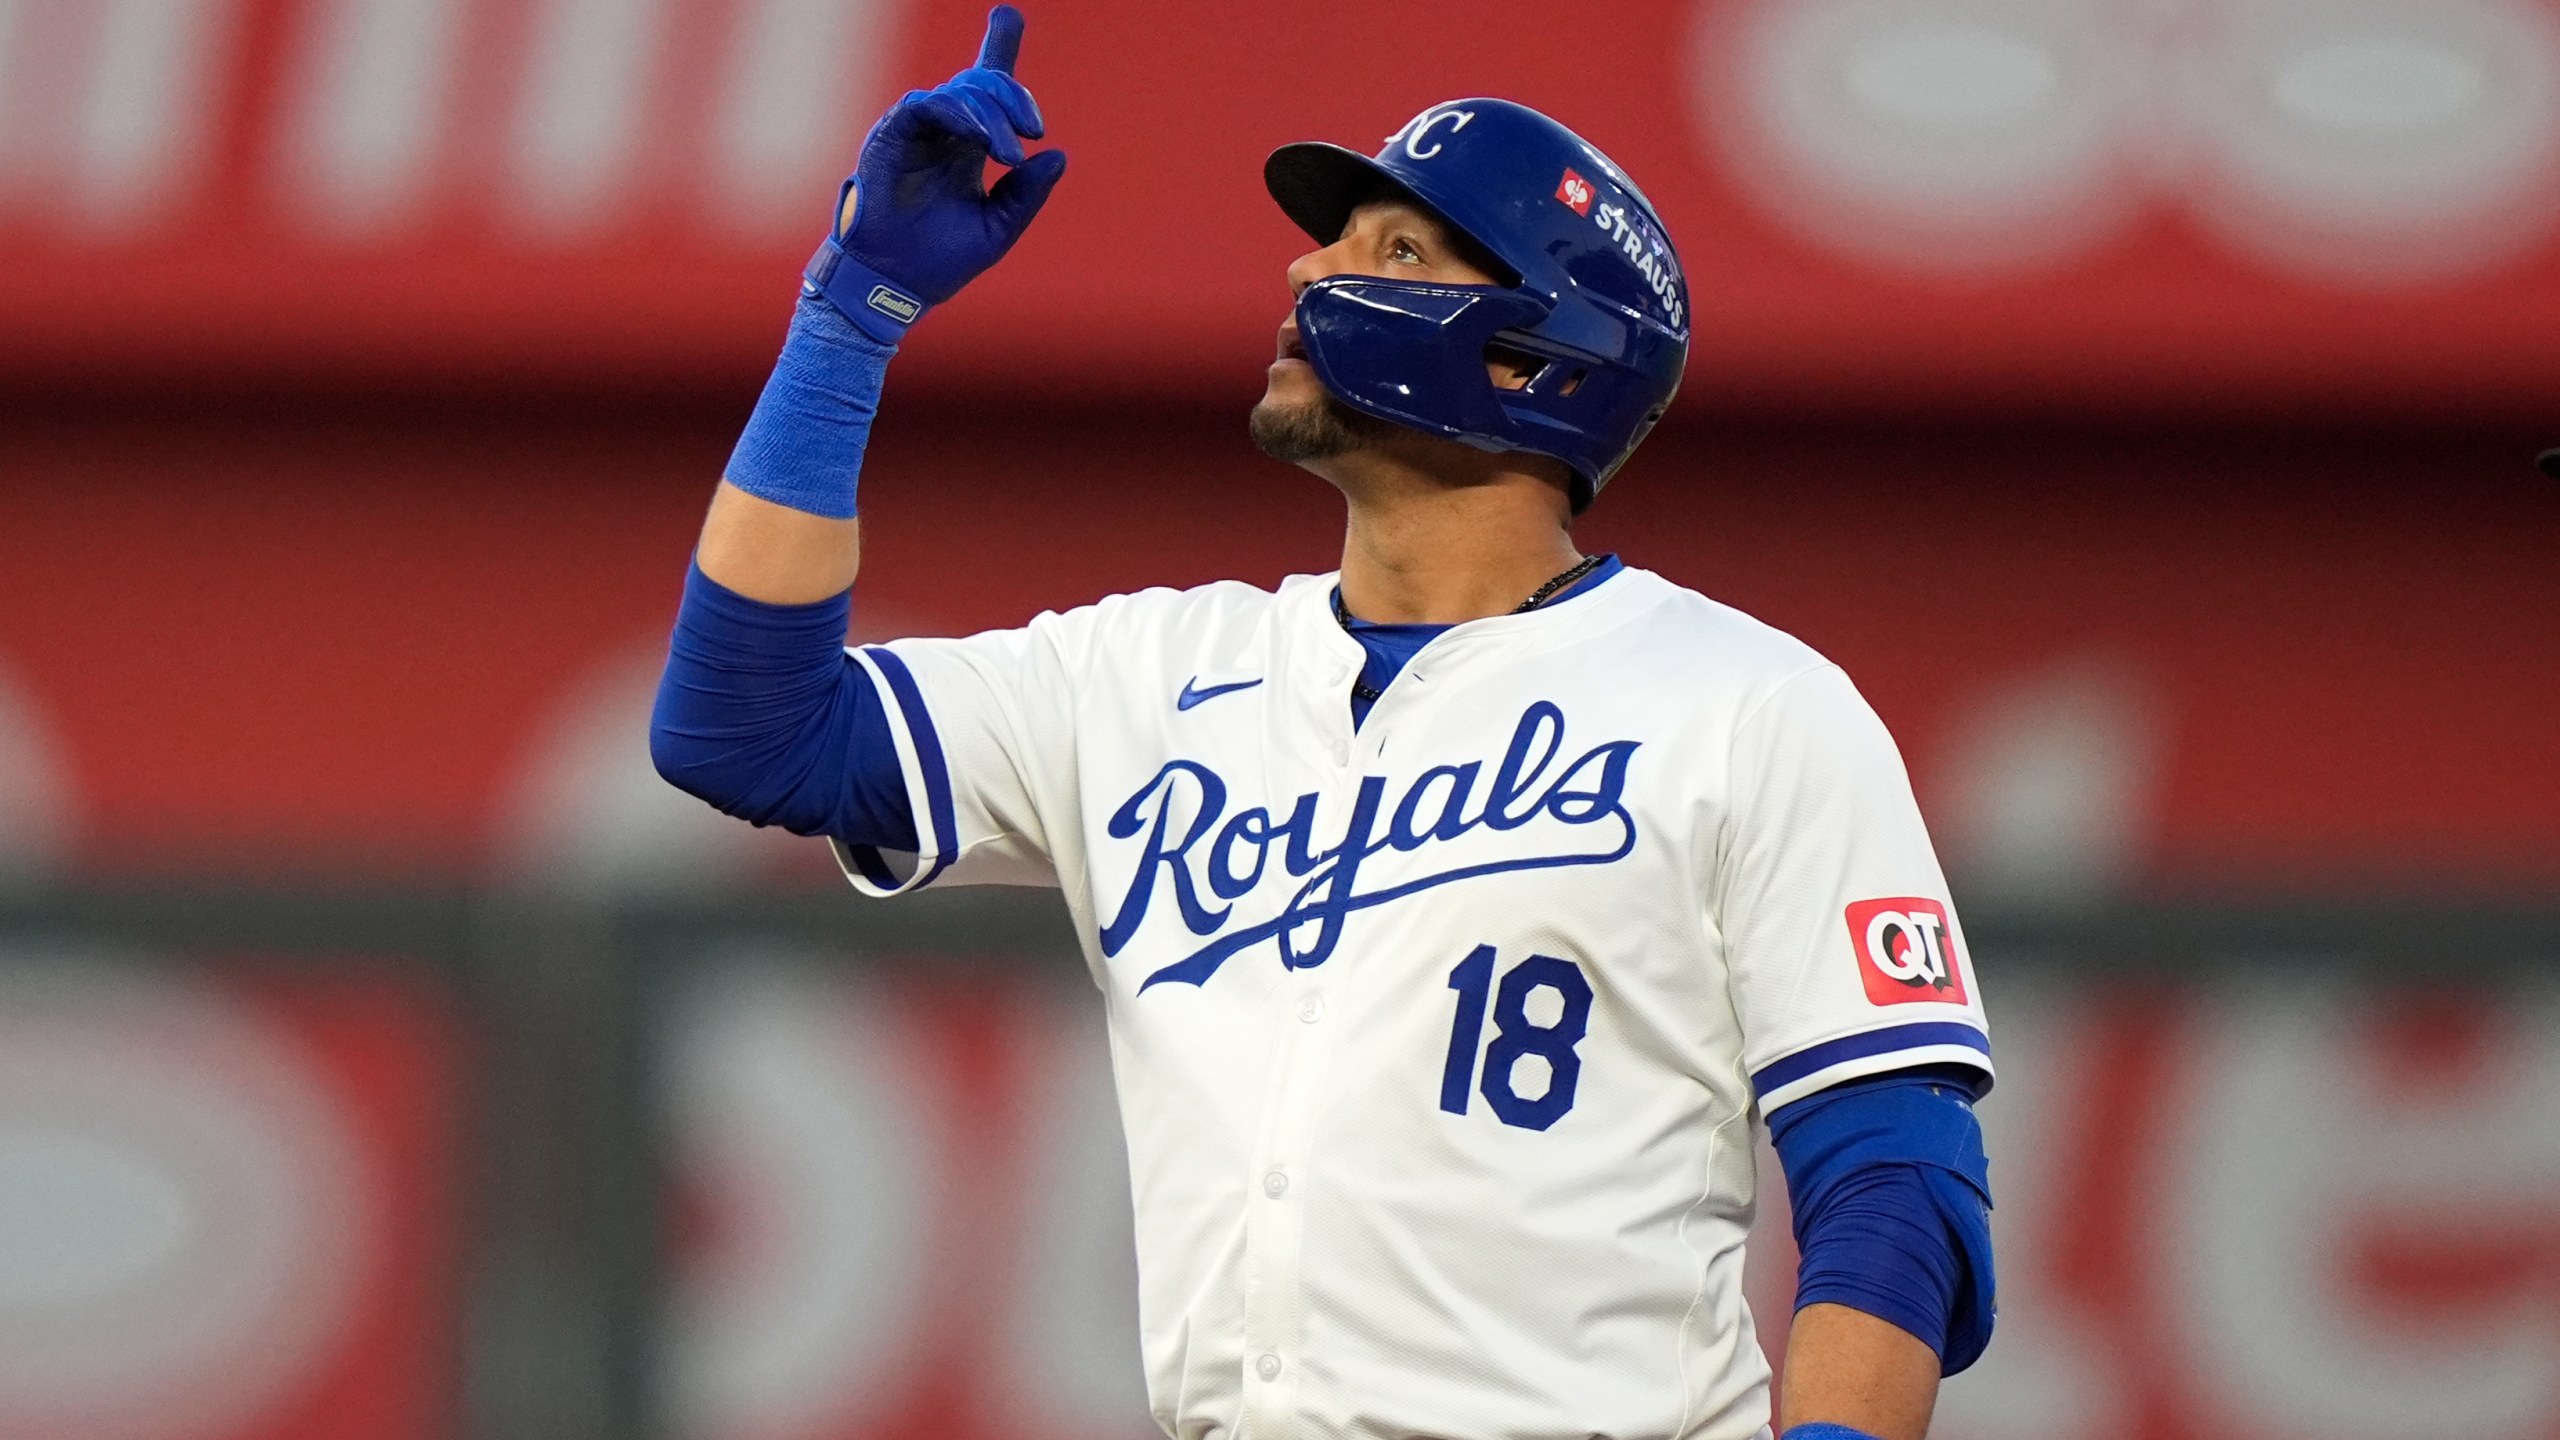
1192,694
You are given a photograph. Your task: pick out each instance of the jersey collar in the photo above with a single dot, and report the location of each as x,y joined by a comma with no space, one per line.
1307,602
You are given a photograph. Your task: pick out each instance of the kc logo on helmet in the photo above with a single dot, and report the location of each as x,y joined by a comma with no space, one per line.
1421,125
1575,191
1906,951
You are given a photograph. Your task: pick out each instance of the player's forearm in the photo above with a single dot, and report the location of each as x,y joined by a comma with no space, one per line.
782,528
1895,1285
776,554
1846,1367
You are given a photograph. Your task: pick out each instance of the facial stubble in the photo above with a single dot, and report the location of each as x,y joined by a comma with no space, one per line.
1316,429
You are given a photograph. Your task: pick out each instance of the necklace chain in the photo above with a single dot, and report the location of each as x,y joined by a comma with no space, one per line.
1537,597
1547,592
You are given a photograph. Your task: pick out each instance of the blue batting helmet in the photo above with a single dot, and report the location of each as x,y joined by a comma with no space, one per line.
1594,290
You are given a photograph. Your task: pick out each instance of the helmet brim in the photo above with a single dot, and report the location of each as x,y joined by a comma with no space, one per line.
1318,186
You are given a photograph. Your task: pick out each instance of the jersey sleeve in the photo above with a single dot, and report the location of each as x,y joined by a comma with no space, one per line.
984,735
1841,947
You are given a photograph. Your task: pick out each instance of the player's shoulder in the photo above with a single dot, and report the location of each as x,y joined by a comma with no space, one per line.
1166,622
1696,635
1165,607
1730,673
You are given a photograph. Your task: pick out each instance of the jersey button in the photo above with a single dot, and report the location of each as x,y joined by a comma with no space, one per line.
1311,1009
1275,1184
1268,1367
1341,752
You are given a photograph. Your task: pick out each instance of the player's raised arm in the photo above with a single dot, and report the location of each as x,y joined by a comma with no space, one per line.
761,712
912,225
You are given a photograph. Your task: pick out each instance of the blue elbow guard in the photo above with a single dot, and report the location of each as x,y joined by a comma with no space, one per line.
1892,1200
761,714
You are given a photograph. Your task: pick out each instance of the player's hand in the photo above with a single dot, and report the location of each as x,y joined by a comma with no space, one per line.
915,214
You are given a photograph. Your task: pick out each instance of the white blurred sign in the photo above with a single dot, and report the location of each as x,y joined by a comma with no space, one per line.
2359,141
181,1215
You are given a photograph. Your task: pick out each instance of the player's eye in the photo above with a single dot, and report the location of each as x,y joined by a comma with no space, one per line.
1404,251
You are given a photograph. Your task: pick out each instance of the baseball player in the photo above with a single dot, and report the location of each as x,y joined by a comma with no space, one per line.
1457,911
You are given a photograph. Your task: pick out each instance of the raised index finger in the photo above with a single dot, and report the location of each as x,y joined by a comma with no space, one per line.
1003,44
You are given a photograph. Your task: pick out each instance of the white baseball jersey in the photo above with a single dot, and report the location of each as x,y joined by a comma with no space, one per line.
1438,1041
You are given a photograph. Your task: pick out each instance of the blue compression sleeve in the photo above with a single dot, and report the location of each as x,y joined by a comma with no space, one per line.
1892,1198
803,445
761,713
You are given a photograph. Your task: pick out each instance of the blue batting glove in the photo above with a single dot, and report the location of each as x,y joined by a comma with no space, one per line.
914,223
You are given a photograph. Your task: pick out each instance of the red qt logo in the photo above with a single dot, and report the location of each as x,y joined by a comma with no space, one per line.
1906,951
1575,191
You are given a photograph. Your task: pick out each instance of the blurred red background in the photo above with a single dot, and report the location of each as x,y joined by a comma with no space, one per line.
2218,204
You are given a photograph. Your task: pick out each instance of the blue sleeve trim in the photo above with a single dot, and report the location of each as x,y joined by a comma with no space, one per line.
874,868
1813,1059
943,843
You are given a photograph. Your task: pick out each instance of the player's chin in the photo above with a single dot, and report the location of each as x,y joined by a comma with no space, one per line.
1296,423
1296,428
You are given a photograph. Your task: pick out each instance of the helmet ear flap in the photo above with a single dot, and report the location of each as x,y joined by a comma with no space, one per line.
1414,353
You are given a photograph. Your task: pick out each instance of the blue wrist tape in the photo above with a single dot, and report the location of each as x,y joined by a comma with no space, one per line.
803,445
1824,1430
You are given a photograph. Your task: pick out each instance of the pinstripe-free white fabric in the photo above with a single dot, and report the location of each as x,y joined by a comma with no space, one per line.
1437,1040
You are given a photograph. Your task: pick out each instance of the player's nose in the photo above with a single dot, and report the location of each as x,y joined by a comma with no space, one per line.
1311,267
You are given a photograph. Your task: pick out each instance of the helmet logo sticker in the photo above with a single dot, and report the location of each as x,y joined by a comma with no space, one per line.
1574,191
1420,125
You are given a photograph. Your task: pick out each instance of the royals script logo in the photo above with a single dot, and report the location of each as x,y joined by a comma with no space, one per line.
1541,809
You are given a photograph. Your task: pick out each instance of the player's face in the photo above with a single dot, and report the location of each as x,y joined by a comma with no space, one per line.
1297,420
